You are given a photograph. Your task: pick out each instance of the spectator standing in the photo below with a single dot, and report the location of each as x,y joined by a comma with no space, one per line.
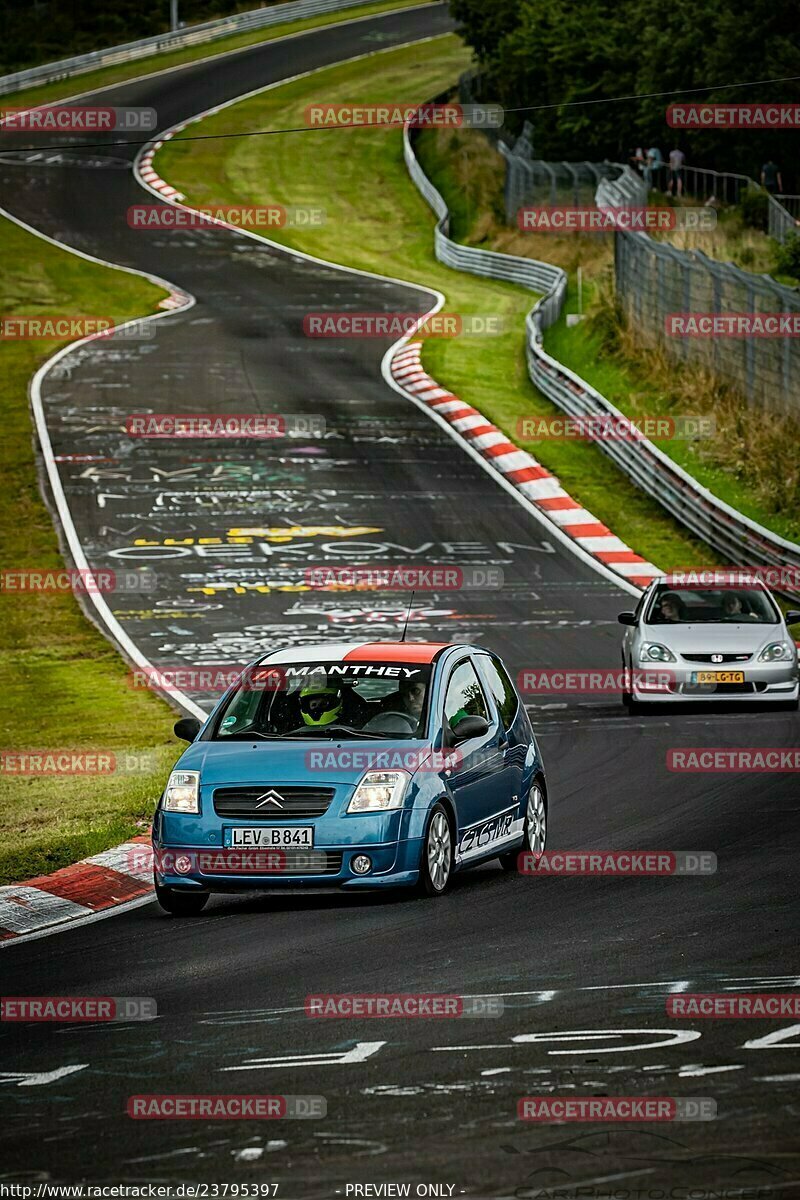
771,178
654,163
676,160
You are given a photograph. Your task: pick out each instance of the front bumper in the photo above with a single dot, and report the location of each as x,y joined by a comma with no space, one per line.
763,683
391,867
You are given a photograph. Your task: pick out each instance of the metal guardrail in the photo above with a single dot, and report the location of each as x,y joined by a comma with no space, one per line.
529,272
784,217
194,35
731,533
727,186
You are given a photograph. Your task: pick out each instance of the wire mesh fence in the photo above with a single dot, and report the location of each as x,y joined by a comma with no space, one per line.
668,294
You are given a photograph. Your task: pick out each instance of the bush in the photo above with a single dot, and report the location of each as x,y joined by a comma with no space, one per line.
787,256
754,207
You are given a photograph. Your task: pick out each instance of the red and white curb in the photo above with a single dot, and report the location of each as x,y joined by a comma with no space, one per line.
530,478
150,175
75,893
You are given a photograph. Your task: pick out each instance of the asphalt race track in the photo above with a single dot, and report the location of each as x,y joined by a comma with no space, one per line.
425,1101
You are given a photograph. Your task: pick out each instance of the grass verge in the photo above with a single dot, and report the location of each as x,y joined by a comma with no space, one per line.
106,76
63,685
378,221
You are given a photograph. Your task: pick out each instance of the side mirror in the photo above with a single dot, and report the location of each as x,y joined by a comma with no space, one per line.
792,617
627,618
470,727
187,728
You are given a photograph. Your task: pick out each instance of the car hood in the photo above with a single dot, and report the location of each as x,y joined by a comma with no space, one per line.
301,761
710,637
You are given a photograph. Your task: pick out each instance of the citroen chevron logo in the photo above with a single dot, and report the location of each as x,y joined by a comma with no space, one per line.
270,797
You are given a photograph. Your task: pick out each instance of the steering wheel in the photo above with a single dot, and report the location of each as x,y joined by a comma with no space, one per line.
409,720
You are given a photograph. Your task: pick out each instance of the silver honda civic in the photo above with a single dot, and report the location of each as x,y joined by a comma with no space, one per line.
709,643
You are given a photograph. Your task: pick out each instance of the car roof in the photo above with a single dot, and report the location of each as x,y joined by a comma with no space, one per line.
399,652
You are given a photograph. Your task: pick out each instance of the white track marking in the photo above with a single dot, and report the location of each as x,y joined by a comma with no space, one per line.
694,1072
39,1078
673,1037
778,1037
359,1053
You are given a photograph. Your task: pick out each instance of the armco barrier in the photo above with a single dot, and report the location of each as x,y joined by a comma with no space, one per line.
194,35
728,531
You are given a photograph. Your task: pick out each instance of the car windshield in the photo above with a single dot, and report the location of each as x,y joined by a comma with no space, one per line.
327,699
693,605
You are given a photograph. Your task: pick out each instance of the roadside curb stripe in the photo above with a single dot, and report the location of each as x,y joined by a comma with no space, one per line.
533,480
103,881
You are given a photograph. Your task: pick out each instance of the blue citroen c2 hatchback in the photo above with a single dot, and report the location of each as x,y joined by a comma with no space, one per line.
354,766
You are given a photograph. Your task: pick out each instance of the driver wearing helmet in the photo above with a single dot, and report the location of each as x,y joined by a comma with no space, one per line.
320,705
323,702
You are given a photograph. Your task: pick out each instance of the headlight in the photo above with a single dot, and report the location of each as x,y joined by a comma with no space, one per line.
655,652
776,652
379,791
182,793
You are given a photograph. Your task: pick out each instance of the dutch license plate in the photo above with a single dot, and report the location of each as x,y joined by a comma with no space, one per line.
269,837
717,677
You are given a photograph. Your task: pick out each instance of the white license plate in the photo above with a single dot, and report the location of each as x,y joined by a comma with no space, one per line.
269,837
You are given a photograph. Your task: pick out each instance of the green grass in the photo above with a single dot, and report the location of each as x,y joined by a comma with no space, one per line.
63,685
105,76
378,221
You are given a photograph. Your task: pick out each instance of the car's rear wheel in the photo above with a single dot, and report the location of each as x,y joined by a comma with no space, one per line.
181,904
535,828
436,863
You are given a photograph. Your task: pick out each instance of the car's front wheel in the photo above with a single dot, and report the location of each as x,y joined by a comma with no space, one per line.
181,904
535,828
436,864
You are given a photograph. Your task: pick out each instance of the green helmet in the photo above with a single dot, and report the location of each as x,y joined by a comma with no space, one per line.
320,705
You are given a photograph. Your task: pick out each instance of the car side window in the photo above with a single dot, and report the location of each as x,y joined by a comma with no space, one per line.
464,696
501,687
